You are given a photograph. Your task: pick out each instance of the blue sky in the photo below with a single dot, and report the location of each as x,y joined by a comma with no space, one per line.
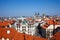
29,7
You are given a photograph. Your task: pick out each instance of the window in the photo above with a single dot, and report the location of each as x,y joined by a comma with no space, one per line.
29,26
8,31
3,39
7,39
23,28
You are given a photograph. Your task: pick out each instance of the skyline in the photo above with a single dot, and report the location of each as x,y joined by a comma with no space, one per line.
29,7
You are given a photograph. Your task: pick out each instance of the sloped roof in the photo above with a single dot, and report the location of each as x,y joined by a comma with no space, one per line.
50,22
56,36
17,36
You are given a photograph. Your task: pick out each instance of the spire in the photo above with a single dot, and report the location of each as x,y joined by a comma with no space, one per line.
38,13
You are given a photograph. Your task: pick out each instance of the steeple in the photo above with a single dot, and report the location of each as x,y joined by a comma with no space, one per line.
38,13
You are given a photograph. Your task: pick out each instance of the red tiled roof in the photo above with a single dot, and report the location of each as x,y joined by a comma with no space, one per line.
50,22
5,23
45,26
17,36
56,36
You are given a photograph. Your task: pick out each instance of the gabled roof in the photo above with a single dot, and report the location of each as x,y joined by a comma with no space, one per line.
45,26
50,22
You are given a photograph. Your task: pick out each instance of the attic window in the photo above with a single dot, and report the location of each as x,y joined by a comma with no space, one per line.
8,31
7,39
3,39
